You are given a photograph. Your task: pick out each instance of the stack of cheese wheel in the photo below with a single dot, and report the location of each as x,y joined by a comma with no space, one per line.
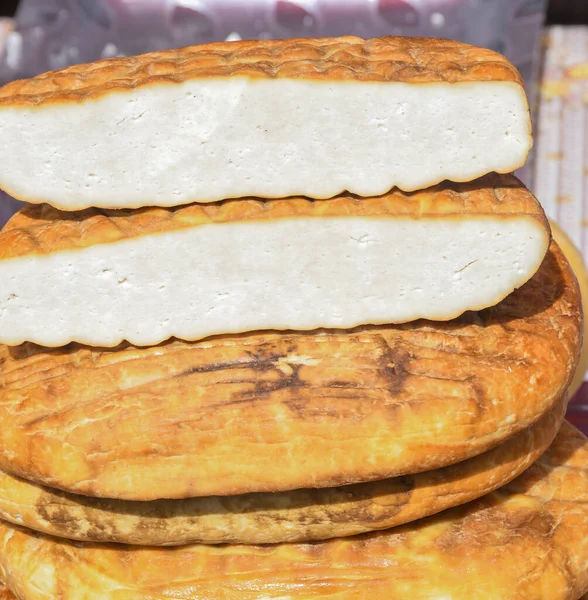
278,323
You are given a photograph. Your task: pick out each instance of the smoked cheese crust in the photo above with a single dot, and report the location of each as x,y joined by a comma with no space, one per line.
526,541
391,59
6,594
296,516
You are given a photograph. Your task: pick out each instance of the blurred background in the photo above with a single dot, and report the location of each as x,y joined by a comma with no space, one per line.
546,39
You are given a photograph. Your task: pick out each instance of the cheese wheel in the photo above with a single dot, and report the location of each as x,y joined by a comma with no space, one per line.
578,266
101,277
277,411
265,118
297,516
525,541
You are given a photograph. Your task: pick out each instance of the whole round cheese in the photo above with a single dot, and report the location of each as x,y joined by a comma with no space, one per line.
576,261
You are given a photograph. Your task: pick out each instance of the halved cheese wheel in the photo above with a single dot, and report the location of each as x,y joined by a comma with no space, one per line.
296,516
526,541
276,411
144,276
263,118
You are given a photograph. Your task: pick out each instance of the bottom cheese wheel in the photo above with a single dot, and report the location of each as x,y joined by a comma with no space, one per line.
526,541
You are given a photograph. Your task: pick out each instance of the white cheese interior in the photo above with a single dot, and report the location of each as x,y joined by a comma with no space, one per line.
298,273
211,139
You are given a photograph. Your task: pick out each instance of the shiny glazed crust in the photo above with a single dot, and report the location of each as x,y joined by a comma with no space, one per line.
297,516
41,229
574,257
391,59
274,411
6,594
526,541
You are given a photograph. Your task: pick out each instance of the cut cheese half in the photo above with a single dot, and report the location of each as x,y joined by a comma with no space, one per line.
241,266
269,119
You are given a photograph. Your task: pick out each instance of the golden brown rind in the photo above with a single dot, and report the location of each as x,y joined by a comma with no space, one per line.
274,411
527,541
389,59
574,257
6,594
41,229
296,516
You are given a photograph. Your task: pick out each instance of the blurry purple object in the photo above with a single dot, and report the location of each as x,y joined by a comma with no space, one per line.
578,409
8,206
